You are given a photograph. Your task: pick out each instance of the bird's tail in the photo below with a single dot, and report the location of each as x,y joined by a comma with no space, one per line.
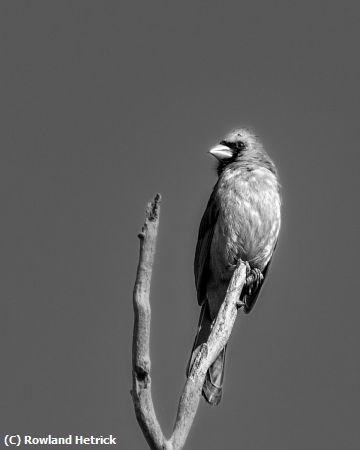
213,384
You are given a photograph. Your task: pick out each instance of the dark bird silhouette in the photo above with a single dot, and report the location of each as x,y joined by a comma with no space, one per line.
241,221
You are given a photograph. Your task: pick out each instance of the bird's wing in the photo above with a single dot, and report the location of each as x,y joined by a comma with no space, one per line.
202,253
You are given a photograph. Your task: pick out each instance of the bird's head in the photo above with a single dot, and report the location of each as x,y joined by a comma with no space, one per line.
235,144
238,145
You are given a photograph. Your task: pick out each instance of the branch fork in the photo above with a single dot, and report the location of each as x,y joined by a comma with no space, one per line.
141,364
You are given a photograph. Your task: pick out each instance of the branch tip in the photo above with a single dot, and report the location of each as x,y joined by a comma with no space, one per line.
152,210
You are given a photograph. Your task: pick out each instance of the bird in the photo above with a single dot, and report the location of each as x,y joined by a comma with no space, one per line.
241,222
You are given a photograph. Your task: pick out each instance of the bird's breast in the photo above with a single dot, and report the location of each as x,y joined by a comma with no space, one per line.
249,220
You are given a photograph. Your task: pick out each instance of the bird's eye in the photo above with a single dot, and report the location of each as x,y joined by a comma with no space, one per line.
240,145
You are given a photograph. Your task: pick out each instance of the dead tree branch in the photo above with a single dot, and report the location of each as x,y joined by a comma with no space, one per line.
141,390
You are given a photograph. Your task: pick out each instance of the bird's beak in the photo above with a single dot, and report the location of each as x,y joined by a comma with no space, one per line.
221,152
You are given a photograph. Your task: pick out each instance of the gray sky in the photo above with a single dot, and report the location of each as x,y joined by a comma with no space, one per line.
103,104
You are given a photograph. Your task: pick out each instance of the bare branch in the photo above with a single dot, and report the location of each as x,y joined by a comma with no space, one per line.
141,392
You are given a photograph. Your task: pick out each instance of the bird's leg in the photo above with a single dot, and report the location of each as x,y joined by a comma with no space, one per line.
254,278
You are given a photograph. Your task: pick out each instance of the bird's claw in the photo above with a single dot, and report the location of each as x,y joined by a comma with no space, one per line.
240,303
254,280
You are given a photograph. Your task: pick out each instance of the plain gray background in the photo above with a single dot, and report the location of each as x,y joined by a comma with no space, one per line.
102,105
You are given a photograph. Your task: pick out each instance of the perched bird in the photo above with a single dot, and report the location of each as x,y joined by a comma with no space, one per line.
241,221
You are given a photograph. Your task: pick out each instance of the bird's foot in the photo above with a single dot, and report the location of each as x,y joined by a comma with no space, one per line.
253,280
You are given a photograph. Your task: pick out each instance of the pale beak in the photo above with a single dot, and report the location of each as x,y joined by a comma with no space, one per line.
221,152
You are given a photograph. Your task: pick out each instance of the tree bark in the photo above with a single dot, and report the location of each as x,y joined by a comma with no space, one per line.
141,390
